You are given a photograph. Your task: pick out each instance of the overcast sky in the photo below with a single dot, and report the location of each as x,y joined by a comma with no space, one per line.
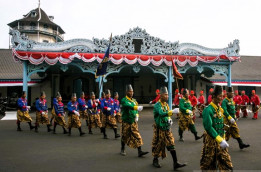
211,23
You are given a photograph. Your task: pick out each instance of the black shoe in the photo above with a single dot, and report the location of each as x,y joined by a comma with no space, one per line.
242,146
117,136
197,137
105,137
32,127
54,132
141,153
156,163
82,133
36,130
49,130
90,132
178,165
65,132
181,139
123,153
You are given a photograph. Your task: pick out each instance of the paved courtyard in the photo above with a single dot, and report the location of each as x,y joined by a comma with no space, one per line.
30,151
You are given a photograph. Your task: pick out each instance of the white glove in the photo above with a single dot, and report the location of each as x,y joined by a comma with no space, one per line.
28,107
76,113
170,121
179,97
140,108
43,113
150,102
137,118
189,112
224,144
108,108
198,103
251,103
176,110
86,106
232,121
257,106
246,103
97,100
114,114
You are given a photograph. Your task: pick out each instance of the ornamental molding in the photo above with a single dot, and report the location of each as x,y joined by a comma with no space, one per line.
124,44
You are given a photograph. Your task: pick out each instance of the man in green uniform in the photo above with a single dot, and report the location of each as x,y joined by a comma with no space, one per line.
214,153
129,132
231,127
162,135
186,116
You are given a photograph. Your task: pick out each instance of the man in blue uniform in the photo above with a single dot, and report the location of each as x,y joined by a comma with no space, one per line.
83,108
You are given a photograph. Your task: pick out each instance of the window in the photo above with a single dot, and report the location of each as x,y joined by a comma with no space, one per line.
45,26
33,26
137,45
33,14
46,41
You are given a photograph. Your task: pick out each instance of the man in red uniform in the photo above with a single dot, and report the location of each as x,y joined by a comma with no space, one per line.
255,101
237,99
157,97
201,103
210,96
244,103
194,101
177,97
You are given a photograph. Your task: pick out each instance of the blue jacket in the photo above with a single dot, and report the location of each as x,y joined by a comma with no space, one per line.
108,103
72,107
91,105
22,103
82,104
59,108
41,105
117,105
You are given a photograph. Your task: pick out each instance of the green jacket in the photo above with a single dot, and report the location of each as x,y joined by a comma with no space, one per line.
129,109
213,121
161,114
228,106
184,106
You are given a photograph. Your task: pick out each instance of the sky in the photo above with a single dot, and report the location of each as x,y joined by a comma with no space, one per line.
210,23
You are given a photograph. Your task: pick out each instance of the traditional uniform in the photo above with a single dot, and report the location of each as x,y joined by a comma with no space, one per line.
177,97
83,108
23,113
117,108
238,101
244,103
157,97
42,113
129,131
101,99
94,114
201,103
209,96
109,113
194,102
231,128
74,115
59,115
162,134
255,101
53,110
185,117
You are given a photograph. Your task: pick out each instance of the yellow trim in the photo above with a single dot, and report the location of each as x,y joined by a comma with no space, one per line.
137,115
229,117
187,111
218,109
231,100
132,100
164,104
219,139
186,100
135,107
170,113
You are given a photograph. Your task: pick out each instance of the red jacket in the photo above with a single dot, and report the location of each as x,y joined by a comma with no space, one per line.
156,99
255,100
176,99
237,99
201,99
245,99
193,100
209,99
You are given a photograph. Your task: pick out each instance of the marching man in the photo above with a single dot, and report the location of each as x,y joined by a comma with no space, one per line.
238,101
185,116
42,112
194,102
94,113
244,103
74,115
59,114
117,107
201,103
162,135
231,128
83,108
214,153
255,102
129,132
210,96
23,112
157,97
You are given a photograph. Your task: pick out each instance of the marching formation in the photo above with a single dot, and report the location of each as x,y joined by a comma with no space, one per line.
219,113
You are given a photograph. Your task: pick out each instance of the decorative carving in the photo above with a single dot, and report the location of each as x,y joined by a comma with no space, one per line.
31,69
136,68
